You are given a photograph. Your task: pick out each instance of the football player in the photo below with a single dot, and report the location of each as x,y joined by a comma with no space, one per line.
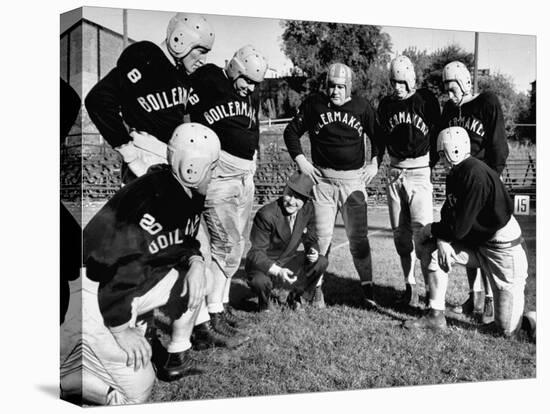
481,116
338,125
409,120
140,102
227,100
477,229
141,251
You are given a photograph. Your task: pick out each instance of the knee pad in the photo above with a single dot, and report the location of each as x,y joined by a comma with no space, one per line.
359,248
321,264
403,243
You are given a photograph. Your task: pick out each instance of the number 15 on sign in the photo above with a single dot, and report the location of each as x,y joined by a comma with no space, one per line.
521,205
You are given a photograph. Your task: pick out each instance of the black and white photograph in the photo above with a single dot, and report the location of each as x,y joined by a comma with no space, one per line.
277,206
266,209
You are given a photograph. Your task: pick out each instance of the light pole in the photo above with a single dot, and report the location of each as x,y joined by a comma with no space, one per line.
476,52
124,28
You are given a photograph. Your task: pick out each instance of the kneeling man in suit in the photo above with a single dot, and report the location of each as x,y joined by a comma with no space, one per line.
278,230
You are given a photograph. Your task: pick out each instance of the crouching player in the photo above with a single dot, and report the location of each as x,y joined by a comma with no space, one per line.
278,230
477,229
142,251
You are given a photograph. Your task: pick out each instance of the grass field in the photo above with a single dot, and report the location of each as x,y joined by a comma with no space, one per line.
345,347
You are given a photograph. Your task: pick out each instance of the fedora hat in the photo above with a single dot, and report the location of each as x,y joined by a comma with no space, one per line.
301,184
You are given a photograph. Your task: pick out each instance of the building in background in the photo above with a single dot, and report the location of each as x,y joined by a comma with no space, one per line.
88,51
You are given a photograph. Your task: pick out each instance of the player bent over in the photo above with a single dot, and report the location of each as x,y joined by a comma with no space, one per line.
338,125
408,120
481,116
477,229
227,100
142,251
140,102
278,230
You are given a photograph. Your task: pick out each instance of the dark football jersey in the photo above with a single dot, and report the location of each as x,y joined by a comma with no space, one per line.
146,229
409,126
482,118
337,133
476,205
145,91
215,103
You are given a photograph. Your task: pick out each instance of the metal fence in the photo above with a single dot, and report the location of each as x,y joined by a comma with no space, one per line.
93,171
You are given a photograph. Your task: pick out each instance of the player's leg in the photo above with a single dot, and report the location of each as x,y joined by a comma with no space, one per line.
325,207
488,306
507,272
353,201
438,281
168,292
229,199
243,228
420,193
476,295
93,366
400,220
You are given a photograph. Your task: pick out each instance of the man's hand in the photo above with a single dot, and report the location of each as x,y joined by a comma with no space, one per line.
312,255
130,155
307,168
446,255
137,349
287,274
195,283
138,167
370,171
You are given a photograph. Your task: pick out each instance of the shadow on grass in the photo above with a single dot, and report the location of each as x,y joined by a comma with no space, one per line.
348,292
241,296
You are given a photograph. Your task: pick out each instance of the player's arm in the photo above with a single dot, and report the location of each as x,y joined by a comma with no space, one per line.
292,134
381,136
372,131
470,197
103,104
496,148
260,236
433,119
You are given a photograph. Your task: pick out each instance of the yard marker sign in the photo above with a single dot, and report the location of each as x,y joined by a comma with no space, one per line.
521,205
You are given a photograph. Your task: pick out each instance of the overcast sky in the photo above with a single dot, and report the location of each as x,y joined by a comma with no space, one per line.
510,54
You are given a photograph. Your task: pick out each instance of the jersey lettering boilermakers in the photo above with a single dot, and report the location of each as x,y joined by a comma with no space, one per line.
337,133
476,205
409,126
146,229
145,91
482,118
215,103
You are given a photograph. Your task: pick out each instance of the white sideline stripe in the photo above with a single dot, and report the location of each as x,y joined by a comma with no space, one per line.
346,243
380,231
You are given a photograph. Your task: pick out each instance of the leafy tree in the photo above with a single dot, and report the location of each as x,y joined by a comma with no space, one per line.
527,111
421,60
432,72
312,46
502,86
